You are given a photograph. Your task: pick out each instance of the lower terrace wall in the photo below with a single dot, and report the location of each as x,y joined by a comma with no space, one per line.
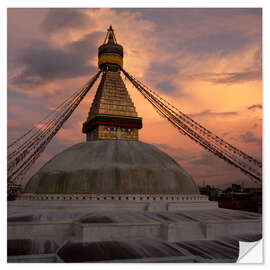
39,258
232,227
53,229
116,231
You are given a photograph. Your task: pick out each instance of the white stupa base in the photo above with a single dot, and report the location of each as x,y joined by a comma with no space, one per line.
59,221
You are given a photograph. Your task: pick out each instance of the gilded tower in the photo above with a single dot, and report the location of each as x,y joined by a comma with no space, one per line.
112,115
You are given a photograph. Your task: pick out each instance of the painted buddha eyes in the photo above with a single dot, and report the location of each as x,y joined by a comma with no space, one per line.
122,129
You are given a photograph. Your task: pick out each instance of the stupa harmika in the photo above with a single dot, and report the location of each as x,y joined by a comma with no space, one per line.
114,193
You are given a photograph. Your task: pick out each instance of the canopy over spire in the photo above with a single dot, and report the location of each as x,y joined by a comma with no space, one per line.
110,53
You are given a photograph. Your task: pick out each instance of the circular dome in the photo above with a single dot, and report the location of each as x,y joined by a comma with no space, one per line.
111,167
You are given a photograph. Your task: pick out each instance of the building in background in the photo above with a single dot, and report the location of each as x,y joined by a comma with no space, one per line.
235,197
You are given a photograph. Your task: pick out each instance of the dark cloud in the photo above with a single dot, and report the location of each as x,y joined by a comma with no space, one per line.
208,165
14,95
205,159
209,169
167,71
165,87
163,68
43,62
208,113
23,101
87,46
177,153
255,106
223,12
223,43
189,17
249,137
59,19
23,111
237,77
195,21
224,78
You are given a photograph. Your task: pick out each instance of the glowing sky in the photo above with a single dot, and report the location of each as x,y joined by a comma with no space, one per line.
206,62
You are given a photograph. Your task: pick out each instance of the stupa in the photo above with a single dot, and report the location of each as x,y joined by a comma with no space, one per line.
115,198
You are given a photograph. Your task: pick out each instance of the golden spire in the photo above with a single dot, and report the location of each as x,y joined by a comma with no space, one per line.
112,114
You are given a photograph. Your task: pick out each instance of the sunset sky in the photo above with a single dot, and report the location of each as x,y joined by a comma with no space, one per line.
206,62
